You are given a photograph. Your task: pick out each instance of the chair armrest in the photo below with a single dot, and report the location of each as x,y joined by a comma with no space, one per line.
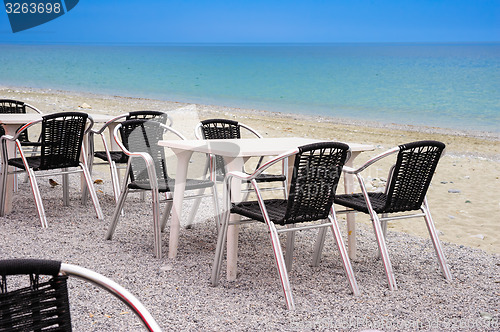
172,130
268,164
89,127
350,170
250,129
114,288
239,175
106,125
8,138
26,126
33,108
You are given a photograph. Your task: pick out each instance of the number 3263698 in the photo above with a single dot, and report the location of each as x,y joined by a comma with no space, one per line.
32,8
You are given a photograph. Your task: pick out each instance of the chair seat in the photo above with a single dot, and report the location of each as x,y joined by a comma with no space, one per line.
270,177
164,186
117,156
261,178
34,162
357,201
378,200
276,209
30,143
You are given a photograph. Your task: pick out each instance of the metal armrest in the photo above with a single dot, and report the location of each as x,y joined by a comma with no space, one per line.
106,125
265,166
114,288
33,108
350,170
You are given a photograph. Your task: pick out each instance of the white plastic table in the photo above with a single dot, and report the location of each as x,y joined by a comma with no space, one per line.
235,152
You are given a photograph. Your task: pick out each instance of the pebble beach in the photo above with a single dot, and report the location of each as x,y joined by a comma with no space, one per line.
464,200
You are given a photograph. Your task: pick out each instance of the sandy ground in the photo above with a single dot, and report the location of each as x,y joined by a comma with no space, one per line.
464,196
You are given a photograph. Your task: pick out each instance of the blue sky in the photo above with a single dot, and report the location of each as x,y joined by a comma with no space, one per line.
261,21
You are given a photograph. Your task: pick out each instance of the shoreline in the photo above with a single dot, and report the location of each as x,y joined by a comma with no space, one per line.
464,196
487,135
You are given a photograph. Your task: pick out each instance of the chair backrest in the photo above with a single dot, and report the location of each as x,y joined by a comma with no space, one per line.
220,129
224,129
13,106
62,137
148,115
42,306
142,135
315,177
412,175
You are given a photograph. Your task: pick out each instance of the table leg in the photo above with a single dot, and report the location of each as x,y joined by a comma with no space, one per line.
351,219
11,149
183,158
233,164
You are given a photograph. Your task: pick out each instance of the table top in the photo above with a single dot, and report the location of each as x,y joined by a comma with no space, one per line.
18,118
248,147
22,118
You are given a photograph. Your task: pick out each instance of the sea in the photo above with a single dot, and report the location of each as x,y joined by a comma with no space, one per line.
446,85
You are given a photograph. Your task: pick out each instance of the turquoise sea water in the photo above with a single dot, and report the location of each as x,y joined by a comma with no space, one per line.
443,85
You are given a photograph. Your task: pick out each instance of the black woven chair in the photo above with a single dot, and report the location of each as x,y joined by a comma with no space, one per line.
230,129
405,191
44,304
16,106
147,171
316,173
61,148
118,159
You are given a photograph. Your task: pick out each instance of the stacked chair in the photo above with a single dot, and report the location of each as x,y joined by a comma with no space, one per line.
147,171
118,159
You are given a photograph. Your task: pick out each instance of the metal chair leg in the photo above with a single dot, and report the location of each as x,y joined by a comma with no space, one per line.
156,222
38,198
115,181
194,208
91,189
343,254
435,241
166,212
383,224
318,246
217,214
116,213
65,185
219,250
383,251
281,265
3,185
290,244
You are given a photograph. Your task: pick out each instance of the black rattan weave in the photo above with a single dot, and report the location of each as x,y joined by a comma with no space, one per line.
41,306
412,175
142,135
316,174
61,142
16,106
220,129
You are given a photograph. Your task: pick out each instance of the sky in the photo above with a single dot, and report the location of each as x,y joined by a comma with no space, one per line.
265,21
